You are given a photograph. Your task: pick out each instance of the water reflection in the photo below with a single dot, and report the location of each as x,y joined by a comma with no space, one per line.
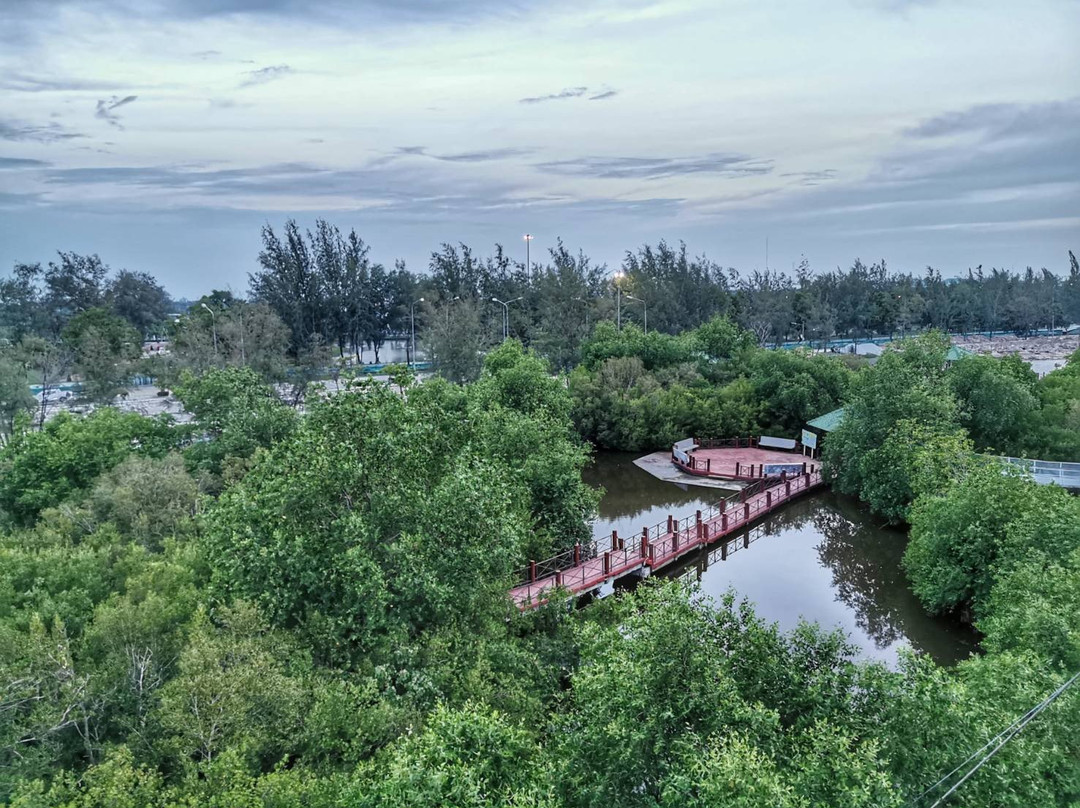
823,558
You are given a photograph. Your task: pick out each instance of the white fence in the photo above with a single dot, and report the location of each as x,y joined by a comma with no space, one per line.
1048,471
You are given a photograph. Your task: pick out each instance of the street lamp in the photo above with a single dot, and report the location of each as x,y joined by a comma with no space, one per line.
645,306
588,306
451,300
528,263
412,328
506,313
618,300
213,323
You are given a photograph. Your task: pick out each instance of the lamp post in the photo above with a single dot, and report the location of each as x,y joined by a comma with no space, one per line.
506,313
645,306
213,324
455,297
528,263
588,306
412,329
618,300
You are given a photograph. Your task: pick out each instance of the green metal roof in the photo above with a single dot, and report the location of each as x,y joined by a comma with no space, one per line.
827,422
954,353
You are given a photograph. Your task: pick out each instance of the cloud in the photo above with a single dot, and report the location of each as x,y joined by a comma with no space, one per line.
569,92
810,178
14,129
652,168
999,120
20,162
266,74
105,109
481,156
21,82
602,95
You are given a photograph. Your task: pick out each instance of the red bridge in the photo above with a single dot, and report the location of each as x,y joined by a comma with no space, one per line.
586,567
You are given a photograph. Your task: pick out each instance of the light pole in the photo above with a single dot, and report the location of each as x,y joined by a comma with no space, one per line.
506,313
451,300
528,263
412,329
618,300
213,324
645,306
588,306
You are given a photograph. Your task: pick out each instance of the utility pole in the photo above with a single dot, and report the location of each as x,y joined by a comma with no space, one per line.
455,297
412,328
213,324
618,301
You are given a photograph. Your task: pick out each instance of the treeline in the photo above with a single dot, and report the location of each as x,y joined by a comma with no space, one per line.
261,609
317,300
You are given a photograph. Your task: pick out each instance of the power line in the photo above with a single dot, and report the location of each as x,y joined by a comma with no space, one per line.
1001,739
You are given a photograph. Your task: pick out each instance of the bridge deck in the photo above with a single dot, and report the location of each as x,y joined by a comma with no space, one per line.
603,560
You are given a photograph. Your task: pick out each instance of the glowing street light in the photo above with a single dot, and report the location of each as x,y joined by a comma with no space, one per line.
528,263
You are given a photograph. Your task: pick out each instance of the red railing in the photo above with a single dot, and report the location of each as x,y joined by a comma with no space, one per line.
588,565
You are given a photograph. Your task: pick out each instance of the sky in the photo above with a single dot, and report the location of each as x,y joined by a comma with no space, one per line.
163,134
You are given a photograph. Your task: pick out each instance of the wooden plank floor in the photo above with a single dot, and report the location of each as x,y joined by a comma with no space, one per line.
605,560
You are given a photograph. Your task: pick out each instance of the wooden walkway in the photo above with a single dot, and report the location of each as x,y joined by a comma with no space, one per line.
587,567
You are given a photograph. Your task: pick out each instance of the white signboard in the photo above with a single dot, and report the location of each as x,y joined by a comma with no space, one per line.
809,439
681,456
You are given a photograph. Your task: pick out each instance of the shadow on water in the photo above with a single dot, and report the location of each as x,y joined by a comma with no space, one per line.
823,558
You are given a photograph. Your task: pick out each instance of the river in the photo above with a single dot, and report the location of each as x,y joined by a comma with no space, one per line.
822,558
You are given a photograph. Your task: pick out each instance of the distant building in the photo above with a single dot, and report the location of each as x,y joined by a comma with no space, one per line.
861,349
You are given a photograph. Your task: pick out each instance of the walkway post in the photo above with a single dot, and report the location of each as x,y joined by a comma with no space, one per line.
736,468
723,521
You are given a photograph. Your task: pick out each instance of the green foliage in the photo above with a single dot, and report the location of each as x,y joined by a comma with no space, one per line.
795,387
346,528
41,469
239,412
957,535
1056,429
471,757
15,395
898,404
655,349
997,400
105,347
148,499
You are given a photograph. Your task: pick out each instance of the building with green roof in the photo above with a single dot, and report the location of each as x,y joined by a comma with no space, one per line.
827,422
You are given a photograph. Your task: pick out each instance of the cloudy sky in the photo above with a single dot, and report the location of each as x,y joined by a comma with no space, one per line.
162,134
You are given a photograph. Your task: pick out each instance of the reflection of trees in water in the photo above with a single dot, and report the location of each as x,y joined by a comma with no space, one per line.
864,557
631,491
